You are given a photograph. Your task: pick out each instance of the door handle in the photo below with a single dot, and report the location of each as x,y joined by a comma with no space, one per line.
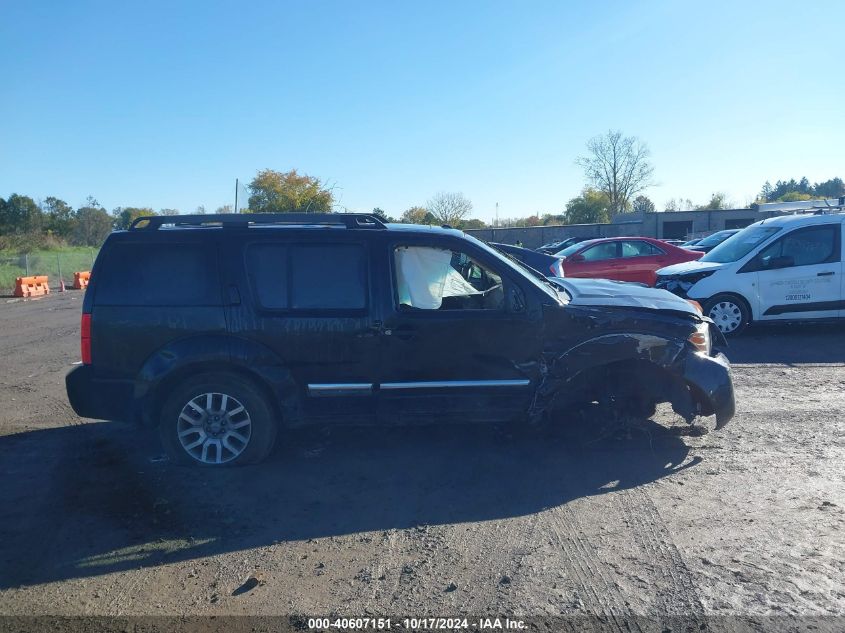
825,274
377,328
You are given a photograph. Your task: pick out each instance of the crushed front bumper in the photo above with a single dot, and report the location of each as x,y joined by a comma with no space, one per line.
709,377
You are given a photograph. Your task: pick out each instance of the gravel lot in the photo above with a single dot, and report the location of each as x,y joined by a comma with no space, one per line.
749,520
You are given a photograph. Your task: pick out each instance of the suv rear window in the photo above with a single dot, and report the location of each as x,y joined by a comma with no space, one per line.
308,276
158,275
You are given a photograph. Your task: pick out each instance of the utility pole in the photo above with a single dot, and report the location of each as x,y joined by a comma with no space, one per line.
236,195
497,214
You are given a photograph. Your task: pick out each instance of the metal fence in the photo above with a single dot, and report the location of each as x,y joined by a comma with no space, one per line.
57,265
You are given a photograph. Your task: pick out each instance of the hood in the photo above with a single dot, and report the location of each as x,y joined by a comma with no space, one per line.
603,292
685,268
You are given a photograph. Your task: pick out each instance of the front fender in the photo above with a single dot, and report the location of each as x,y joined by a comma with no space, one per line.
617,347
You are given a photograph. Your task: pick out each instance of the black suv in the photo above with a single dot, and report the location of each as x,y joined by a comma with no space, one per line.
224,330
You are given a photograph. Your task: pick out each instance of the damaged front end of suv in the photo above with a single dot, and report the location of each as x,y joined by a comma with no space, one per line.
628,348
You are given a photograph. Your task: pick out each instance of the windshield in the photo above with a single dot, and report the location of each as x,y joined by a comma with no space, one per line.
574,248
739,244
536,278
716,238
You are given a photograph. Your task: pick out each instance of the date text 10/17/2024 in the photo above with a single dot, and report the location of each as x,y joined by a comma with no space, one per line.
415,624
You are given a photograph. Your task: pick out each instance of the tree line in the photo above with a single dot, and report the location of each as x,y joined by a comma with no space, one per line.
617,169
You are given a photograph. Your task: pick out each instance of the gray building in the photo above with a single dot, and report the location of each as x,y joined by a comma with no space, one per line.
666,225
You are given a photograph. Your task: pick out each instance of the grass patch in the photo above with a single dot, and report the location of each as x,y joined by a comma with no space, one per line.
68,259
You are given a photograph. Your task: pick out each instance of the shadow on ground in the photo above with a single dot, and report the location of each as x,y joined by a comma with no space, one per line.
792,343
93,499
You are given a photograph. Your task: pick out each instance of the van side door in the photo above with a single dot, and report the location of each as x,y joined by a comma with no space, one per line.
799,275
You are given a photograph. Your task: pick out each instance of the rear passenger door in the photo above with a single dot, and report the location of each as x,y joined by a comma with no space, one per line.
639,261
309,301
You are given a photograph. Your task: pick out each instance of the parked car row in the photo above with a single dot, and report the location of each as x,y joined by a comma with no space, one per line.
633,259
788,268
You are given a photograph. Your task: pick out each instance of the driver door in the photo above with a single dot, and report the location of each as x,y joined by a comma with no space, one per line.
458,341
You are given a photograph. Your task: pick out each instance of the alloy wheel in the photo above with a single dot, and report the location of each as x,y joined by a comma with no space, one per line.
214,428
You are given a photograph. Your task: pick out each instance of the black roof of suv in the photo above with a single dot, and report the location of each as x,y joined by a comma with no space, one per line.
222,331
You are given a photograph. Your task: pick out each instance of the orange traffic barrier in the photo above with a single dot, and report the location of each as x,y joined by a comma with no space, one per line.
80,279
31,286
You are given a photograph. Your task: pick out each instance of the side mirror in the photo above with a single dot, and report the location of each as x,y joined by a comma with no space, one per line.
574,258
782,261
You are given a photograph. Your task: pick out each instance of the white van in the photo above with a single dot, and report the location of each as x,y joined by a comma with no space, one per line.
787,268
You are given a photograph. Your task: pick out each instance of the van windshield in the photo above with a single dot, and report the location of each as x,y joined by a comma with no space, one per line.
739,244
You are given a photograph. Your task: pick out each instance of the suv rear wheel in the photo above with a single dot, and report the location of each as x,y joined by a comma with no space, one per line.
217,419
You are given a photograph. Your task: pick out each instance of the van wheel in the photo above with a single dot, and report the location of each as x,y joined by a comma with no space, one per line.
730,313
217,419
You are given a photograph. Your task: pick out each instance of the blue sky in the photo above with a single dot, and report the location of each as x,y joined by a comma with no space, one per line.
164,104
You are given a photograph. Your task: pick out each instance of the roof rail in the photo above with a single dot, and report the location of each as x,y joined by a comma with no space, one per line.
349,220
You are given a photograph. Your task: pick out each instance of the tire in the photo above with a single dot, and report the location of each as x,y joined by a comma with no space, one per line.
730,313
216,420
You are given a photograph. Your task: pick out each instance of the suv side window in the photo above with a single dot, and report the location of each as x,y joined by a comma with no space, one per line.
806,247
429,278
172,274
638,248
600,252
308,276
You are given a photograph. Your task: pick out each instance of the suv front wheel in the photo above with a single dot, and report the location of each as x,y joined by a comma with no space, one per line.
217,419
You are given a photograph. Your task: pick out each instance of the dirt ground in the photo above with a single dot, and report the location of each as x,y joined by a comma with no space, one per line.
749,520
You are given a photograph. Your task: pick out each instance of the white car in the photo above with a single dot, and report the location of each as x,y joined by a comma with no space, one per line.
787,268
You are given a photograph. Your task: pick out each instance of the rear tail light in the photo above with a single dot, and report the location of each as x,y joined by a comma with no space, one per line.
85,338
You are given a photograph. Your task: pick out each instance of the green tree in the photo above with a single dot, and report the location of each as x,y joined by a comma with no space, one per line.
718,200
592,206
125,216
20,214
417,215
59,216
380,213
833,188
169,212
642,204
93,224
288,192
474,223
794,196
550,218
618,166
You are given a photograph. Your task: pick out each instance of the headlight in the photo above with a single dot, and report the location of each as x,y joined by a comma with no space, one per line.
700,339
683,281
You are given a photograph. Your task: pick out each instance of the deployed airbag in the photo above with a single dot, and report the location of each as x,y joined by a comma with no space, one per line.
425,275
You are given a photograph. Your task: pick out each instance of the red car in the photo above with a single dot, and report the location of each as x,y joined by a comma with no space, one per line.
622,258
